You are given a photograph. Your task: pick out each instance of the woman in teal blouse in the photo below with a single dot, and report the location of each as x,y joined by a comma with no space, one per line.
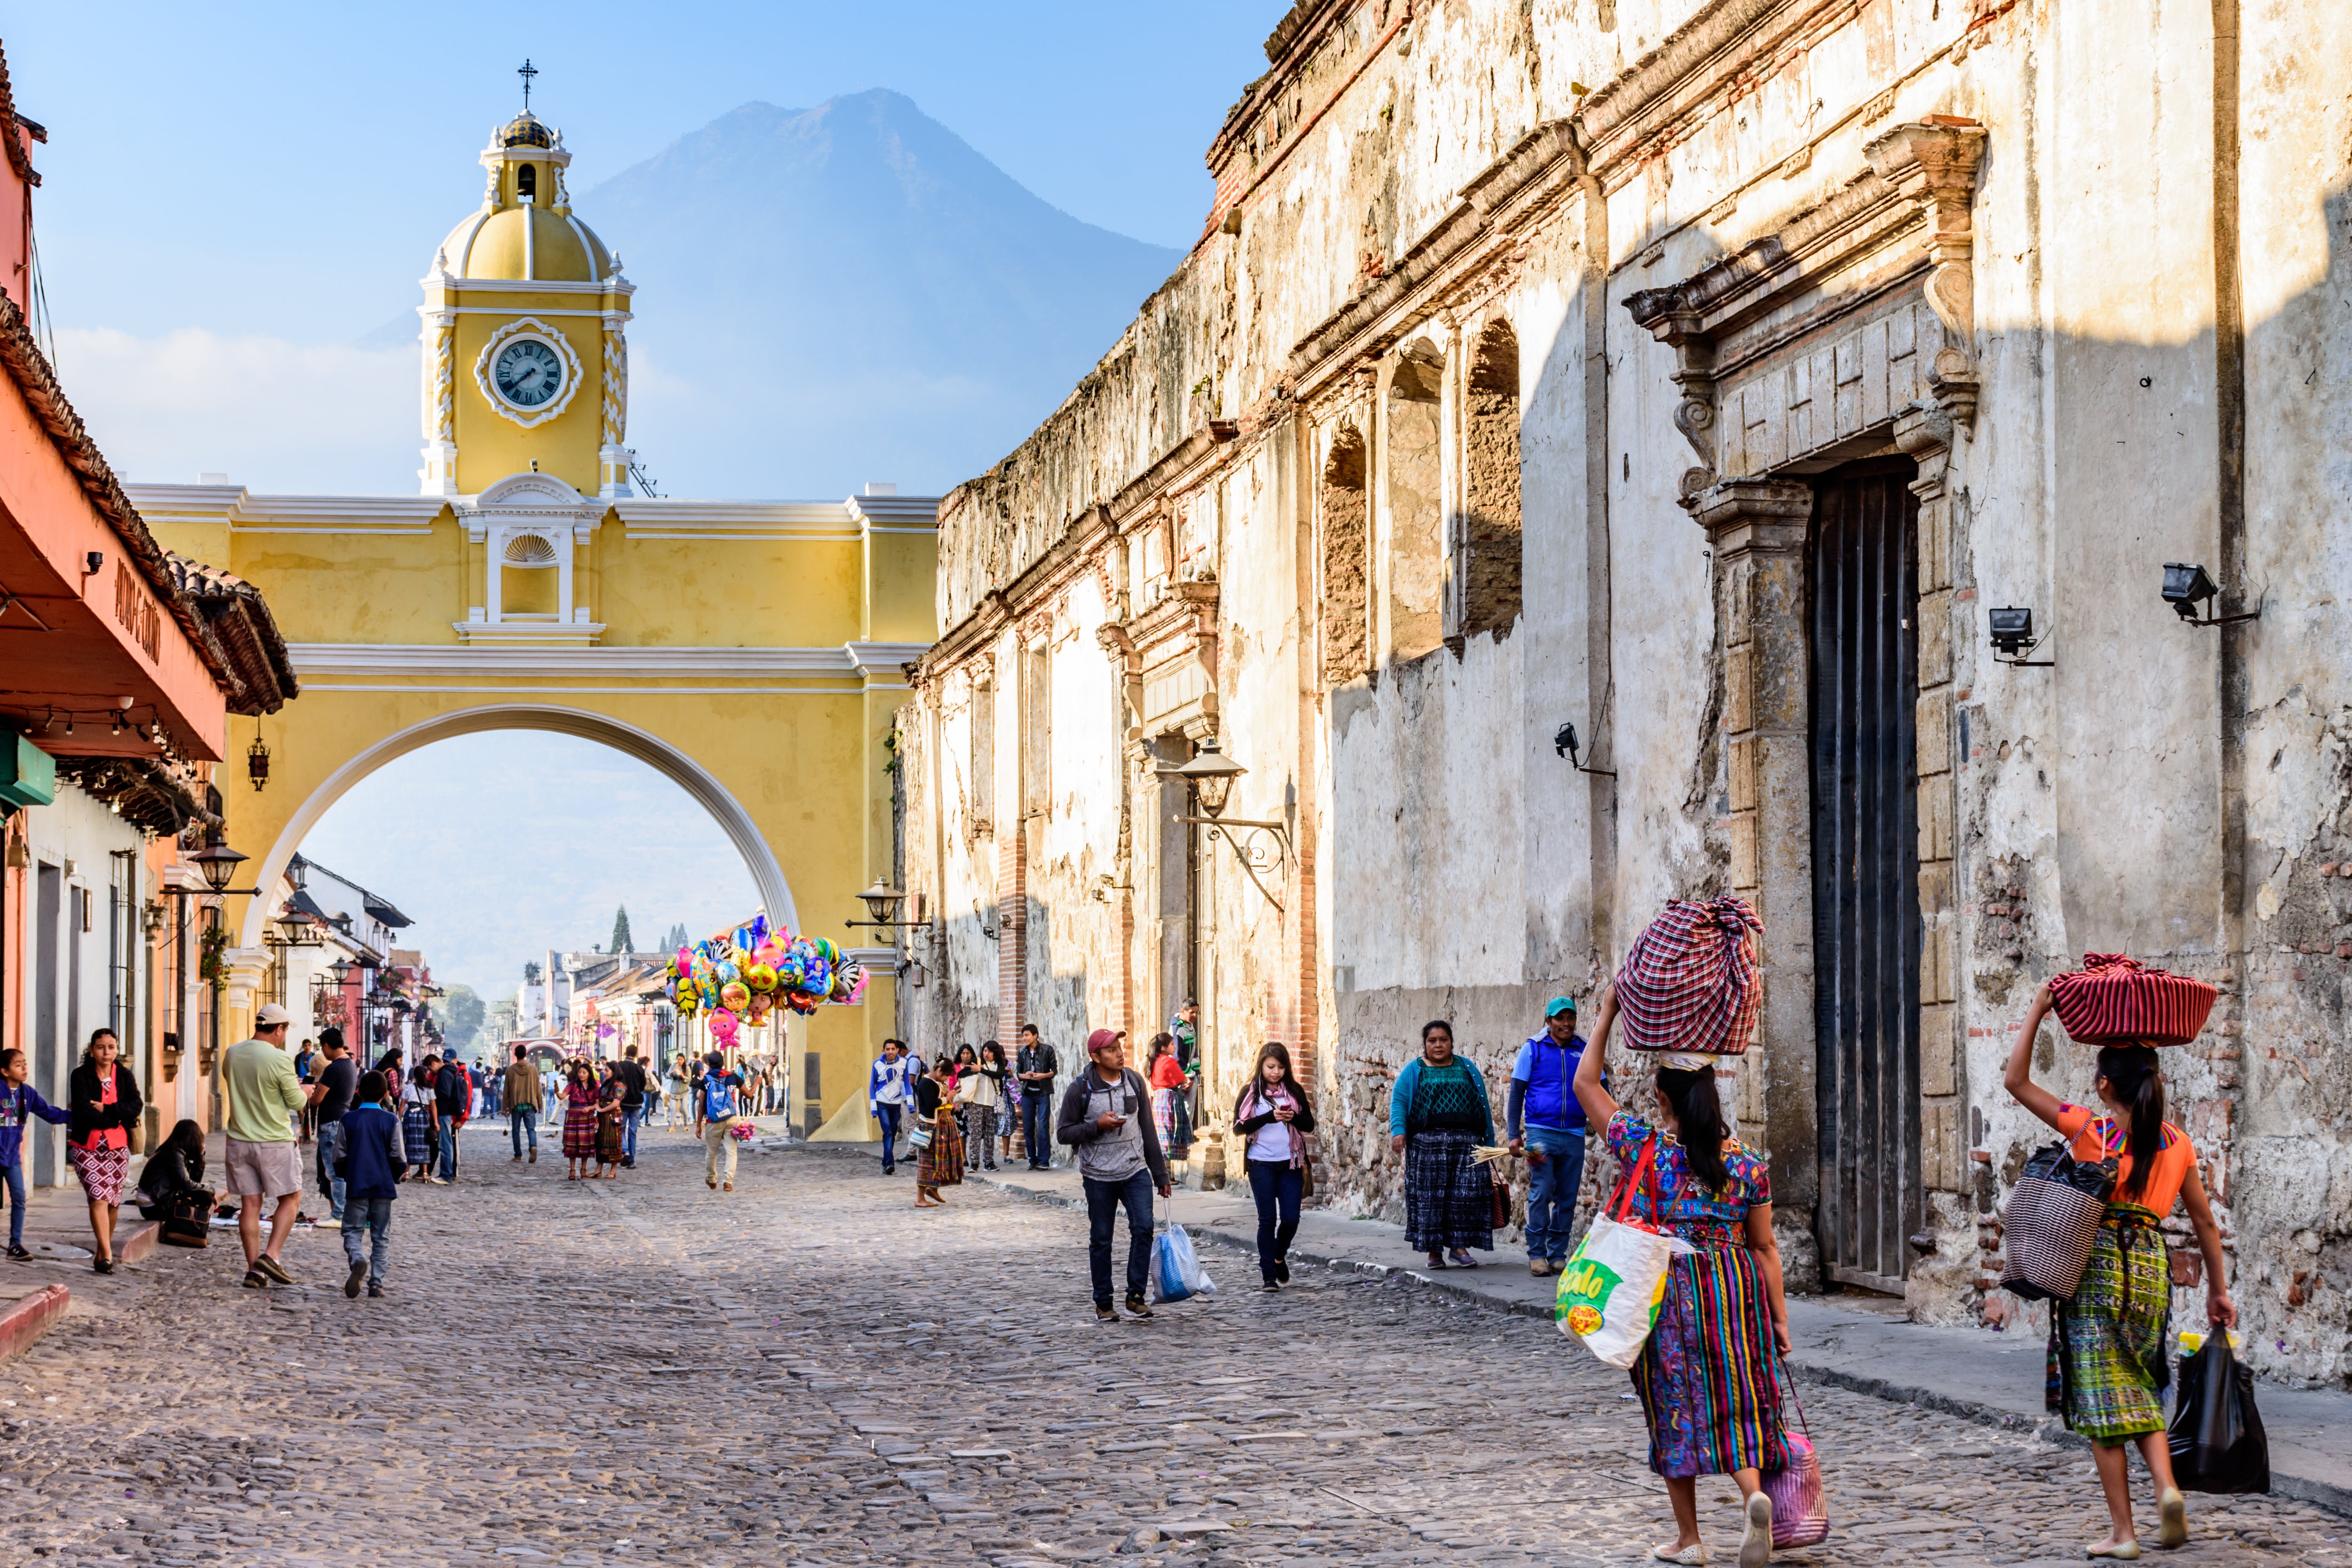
1438,1115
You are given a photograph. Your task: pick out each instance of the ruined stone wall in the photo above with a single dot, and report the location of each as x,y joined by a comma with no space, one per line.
1307,426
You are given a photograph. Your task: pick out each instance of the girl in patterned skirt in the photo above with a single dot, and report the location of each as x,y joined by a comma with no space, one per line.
2107,1371
580,1099
102,1099
1706,1376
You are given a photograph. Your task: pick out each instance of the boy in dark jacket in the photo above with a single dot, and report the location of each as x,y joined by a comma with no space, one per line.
370,1167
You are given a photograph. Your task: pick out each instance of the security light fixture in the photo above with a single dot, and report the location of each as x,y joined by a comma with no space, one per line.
1213,773
2012,633
2188,584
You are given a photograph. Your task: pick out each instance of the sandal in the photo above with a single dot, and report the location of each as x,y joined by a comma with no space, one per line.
1693,1557
731,1187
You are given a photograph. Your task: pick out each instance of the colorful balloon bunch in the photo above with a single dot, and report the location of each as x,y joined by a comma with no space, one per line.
741,976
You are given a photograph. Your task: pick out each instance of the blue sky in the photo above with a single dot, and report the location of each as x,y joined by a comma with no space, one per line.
234,194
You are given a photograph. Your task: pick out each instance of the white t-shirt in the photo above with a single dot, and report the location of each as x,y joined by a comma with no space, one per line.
1273,1140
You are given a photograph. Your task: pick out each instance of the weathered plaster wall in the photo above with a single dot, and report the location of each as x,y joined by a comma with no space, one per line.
2185,793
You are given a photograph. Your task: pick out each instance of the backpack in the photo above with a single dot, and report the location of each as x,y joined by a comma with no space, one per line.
718,1097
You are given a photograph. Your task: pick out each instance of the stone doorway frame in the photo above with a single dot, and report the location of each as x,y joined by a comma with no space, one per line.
1847,332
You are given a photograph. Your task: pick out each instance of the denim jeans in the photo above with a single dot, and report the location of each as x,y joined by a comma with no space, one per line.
1038,1125
1554,1175
1104,1200
1277,1185
362,1215
522,1122
629,1119
330,1149
888,1115
448,1148
15,1175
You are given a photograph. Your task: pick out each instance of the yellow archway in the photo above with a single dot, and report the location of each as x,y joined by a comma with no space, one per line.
775,890
753,651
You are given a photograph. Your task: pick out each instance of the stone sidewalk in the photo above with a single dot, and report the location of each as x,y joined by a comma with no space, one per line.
1852,1340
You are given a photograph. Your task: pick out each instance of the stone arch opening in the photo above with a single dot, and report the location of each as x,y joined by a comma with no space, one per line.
1413,484
1346,515
1486,534
767,875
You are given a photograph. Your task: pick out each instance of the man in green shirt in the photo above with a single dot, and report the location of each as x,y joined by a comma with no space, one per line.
263,1095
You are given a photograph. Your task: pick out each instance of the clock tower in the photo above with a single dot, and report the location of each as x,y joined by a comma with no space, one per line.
526,360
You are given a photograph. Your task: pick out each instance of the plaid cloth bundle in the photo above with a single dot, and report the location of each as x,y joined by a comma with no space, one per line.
1691,982
2112,998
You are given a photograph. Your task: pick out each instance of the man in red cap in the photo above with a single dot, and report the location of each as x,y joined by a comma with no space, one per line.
1105,1118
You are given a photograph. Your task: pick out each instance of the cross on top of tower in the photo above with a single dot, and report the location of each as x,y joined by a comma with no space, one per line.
527,71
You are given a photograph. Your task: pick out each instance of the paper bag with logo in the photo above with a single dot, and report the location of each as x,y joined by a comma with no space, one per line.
1609,1294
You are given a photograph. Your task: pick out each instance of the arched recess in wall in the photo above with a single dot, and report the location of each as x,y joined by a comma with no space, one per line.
775,893
1347,513
1488,533
1411,474
529,584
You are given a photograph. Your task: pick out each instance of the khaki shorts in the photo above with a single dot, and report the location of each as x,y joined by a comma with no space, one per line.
264,1170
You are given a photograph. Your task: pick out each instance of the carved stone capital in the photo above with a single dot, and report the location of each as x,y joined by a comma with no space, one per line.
1924,432
1934,161
1750,516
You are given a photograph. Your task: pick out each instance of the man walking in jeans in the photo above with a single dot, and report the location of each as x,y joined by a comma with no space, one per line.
331,1096
1554,1140
1034,1067
631,1079
525,1097
453,1095
1107,1117
887,1092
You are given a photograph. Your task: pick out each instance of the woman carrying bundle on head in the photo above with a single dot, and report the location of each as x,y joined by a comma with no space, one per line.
2107,1369
1705,1375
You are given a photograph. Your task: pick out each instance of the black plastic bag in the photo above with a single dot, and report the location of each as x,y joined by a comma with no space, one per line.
2216,1434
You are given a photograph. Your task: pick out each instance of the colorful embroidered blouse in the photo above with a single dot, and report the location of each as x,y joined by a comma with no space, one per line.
1748,1183
2095,1135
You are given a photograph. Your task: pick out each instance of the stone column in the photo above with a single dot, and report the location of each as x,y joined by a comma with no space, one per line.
1758,528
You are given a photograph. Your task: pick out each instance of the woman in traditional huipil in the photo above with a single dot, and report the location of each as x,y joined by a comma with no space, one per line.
2108,1370
580,1095
1438,1115
1706,1376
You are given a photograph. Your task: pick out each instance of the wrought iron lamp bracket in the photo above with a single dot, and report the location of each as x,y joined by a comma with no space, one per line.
1259,845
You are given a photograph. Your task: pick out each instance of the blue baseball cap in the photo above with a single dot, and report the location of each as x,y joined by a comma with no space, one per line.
1558,1005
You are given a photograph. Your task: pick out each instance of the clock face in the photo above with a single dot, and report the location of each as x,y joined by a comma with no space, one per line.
529,371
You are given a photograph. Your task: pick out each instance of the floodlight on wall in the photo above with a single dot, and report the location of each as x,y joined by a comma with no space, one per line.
2012,634
2188,584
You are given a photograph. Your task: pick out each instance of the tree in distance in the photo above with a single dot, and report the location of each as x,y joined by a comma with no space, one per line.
621,942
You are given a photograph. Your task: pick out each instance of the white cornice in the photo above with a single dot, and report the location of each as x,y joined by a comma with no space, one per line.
559,636
246,511
886,659
443,659
456,285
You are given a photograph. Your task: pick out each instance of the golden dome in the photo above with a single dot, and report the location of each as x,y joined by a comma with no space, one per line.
525,230
526,242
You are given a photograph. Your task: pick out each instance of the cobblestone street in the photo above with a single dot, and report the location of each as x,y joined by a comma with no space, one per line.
811,1371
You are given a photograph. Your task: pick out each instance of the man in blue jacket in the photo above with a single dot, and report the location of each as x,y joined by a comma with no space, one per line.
1553,1140
370,1166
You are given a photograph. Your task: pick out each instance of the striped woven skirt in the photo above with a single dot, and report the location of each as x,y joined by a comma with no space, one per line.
2106,1371
1705,1373
939,1163
1448,1195
580,1131
416,1133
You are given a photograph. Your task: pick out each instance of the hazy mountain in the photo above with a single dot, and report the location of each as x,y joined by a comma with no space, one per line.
849,292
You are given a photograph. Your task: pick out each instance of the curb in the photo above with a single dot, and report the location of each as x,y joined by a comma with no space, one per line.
29,1317
134,1242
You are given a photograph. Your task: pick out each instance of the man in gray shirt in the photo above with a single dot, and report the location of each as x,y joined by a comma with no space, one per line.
1107,1118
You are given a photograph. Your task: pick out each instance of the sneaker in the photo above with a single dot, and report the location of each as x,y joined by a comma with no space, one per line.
357,1277
436,1181
1103,1313
1282,1269
20,1252
1539,1267
275,1269
374,1287
1271,1288
517,1160
255,1280
1136,1309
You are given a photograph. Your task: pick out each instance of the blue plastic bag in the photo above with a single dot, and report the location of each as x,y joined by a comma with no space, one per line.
1176,1270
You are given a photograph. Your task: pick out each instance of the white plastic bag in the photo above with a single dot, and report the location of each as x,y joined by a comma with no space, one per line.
1176,1270
1609,1293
